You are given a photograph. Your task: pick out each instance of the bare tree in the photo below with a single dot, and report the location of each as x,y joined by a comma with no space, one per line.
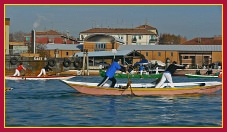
171,39
11,39
41,50
17,36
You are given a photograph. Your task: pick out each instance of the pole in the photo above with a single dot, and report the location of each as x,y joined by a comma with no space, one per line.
87,63
83,73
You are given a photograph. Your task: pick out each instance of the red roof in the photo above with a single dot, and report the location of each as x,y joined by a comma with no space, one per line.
146,27
118,30
50,32
204,41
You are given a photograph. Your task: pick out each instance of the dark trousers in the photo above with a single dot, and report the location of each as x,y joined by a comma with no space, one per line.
105,79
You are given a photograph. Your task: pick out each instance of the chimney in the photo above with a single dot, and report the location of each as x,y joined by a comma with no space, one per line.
199,40
33,42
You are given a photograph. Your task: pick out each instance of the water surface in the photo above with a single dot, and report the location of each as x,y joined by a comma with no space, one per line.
52,103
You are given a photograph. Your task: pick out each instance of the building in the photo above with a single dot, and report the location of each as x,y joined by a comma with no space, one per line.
141,35
126,56
216,40
50,36
191,55
62,50
101,42
7,26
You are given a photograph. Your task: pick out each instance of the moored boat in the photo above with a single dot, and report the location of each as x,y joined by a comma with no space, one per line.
200,76
124,75
37,78
144,89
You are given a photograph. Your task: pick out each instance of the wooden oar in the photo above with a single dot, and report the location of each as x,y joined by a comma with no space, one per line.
23,76
129,85
129,82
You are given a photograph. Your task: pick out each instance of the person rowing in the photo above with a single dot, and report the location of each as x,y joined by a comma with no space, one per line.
109,75
167,75
44,70
19,68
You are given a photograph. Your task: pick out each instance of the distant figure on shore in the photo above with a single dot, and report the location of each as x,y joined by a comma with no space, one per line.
209,71
167,75
19,68
156,67
141,68
130,69
197,72
219,65
44,70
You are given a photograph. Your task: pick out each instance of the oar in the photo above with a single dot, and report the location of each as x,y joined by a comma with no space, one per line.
23,76
129,81
130,86
156,81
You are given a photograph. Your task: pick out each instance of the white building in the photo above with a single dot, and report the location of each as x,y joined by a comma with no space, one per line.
141,35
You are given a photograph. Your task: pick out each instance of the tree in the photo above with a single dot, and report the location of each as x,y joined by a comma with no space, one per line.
41,50
171,39
17,36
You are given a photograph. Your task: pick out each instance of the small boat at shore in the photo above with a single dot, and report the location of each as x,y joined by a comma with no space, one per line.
37,78
124,75
146,89
201,76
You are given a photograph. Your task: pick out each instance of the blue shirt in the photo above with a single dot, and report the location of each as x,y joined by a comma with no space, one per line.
141,68
112,69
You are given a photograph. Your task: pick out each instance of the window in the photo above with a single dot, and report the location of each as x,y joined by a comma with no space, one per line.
146,53
27,38
67,53
185,57
120,37
100,46
159,53
140,37
171,54
134,39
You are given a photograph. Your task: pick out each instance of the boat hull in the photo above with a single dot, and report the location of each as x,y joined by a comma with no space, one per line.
200,76
95,90
37,78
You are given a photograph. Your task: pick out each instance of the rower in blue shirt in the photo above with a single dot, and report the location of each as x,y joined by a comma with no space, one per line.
111,72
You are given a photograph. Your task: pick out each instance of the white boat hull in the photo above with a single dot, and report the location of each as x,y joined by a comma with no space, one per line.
37,78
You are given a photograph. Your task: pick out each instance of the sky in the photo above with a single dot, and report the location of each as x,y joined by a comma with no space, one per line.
189,21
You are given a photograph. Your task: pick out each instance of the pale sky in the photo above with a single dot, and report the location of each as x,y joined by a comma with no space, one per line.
188,21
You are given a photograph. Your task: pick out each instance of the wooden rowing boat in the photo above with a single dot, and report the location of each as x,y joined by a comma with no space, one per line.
200,76
146,89
123,75
37,78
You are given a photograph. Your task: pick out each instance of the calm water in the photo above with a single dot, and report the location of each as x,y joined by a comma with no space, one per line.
52,103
